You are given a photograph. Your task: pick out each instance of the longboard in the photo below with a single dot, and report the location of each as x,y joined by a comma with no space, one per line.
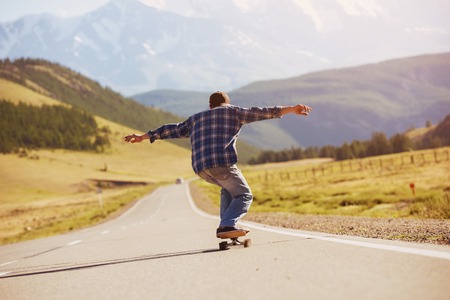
234,240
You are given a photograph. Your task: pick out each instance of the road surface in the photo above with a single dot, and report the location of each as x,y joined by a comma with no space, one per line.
165,248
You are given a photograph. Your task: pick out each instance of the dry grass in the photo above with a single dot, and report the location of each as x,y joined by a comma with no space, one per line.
47,186
17,93
45,192
367,200
372,187
58,173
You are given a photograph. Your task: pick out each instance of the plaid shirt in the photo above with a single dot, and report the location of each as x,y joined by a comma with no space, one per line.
213,133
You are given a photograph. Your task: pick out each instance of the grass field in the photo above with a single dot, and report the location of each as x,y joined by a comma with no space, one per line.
45,192
371,187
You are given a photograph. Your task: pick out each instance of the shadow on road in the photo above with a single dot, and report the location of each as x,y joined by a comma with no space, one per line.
73,267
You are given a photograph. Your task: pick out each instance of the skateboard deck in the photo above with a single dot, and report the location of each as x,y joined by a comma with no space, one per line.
234,240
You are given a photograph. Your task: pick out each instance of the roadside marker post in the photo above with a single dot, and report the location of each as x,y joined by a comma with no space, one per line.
413,188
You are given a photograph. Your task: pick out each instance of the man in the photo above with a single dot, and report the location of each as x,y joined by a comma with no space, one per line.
213,135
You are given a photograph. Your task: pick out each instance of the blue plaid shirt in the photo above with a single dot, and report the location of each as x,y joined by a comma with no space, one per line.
213,133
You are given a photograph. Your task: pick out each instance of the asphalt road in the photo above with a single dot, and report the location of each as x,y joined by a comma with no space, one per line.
164,248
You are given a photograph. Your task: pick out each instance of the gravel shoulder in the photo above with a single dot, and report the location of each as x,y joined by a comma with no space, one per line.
430,231
411,230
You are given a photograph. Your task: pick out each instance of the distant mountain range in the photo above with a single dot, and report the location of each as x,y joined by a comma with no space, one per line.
348,104
134,46
351,103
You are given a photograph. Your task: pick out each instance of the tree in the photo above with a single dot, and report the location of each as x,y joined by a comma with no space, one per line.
378,145
358,148
344,152
328,151
400,143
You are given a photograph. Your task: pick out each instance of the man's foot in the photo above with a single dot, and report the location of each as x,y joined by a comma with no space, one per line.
229,232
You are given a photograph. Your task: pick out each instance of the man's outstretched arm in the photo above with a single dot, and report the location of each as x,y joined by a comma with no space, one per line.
168,131
299,109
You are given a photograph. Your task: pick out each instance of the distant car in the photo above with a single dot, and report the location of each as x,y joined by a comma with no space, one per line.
179,180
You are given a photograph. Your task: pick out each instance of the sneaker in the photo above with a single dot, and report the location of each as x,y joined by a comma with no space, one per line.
231,232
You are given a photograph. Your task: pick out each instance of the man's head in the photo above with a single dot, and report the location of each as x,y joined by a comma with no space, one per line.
217,98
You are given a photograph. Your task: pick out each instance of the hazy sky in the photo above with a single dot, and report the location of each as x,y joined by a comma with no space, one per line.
11,10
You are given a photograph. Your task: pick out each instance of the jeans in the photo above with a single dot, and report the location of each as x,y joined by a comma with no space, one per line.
235,196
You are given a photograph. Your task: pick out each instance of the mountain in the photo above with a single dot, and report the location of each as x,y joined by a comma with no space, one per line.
134,46
54,81
349,103
440,135
182,103
58,82
53,84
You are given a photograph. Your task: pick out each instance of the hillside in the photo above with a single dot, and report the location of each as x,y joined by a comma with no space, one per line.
45,192
348,104
182,103
25,126
351,103
56,174
48,82
51,80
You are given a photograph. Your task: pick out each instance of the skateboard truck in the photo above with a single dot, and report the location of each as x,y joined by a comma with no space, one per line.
234,242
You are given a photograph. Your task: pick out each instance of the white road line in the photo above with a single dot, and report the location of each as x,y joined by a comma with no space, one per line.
74,243
104,232
374,245
334,239
8,263
4,273
137,204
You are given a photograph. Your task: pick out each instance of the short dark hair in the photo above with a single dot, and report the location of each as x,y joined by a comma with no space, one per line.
218,98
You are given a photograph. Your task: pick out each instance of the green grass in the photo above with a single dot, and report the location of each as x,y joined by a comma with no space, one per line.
371,187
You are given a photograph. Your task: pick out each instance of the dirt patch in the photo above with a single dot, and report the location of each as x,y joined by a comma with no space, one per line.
94,184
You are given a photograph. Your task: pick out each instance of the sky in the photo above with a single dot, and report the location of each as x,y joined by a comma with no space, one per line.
11,10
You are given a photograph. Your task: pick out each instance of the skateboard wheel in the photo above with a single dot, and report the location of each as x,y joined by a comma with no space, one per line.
223,246
247,243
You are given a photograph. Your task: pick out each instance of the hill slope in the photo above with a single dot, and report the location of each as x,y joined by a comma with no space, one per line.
60,83
57,174
350,103
50,81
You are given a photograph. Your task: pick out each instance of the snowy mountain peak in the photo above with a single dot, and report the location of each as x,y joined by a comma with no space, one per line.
139,45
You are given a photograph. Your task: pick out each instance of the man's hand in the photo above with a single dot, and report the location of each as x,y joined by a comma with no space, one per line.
301,109
136,138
